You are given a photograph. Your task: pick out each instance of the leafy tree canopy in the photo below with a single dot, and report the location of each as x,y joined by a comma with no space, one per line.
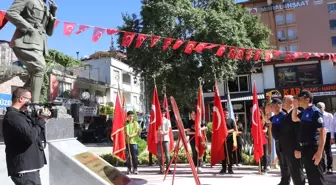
211,21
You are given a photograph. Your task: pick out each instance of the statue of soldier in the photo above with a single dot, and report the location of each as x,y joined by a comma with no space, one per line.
33,21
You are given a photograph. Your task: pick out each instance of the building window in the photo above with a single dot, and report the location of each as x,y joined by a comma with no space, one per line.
116,75
281,35
239,84
291,32
298,76
293,47
64,87
283,48
331,7
333,41
126,78
135,100
290,17
332,24
279,19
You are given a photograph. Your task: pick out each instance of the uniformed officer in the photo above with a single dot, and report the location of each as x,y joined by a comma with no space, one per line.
277,121
289,142
312,136
33,22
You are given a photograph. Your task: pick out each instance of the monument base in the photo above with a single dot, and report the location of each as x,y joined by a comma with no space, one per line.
69,161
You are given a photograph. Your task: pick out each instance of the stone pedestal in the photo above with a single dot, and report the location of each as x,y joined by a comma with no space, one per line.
69,161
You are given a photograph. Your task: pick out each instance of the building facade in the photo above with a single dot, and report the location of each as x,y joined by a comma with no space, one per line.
300,25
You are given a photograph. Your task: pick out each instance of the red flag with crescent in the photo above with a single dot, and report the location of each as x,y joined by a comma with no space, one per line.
154,124
190,47
82,28
111,31
257,55
268,55
200,141
68,27
257,128
219,130
277,53
127,39
248,54
97,33
171,136
56,23
118,132
307,55
154,40
200,46
240,53
296,55
3,20
232,52
178,44
221,50
288,57
167,42
141,38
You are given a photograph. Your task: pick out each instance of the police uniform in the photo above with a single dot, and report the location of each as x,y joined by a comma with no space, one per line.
277,126
311,120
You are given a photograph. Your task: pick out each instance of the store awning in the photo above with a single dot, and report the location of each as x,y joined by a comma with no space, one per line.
246,98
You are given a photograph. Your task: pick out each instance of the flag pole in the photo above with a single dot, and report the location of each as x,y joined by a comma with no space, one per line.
128,139
259,167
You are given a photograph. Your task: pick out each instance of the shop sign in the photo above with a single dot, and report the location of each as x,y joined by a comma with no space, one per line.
288,5
317,2
89,111
106,110
319,90
5,100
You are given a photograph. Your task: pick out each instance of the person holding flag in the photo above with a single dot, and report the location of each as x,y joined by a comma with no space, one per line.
219,132
133,130
163,140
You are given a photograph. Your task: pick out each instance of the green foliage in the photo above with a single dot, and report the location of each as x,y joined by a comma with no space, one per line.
44,96
209,131
142,144
135,115
211,21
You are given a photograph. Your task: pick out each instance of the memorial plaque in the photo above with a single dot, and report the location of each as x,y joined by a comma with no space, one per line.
109,173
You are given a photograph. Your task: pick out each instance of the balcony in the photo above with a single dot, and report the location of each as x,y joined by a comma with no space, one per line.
291,38
283,39
280,23
290,21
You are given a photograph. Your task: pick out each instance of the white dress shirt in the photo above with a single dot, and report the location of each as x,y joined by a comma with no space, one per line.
329,123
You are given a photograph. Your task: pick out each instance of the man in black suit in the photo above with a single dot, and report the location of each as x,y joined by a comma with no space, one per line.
22,135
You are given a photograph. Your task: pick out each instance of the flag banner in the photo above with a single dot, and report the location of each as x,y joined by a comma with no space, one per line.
82,28
97,33
118,132
68,27
200,141
171,136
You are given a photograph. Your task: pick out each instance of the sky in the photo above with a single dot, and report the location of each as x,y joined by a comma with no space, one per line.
101,13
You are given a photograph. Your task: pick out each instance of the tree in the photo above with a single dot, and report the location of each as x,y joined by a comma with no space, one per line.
211,21
55,58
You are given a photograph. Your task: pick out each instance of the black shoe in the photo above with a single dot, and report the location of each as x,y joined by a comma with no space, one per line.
222,171
135,172
329,171
230,172
264,171
128,172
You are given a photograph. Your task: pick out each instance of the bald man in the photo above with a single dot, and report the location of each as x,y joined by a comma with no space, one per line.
328,122
290,144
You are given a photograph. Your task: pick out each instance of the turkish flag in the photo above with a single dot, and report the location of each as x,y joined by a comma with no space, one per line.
221,50
82,28
257,55
177,44
154,40
288,57
68,28
118,132
167,42
248,54
307,55
56,23
171,136
141,38
257,128
322,55
317,54
200,142
97,33
200,46
111,31
3,20
296,55
219,130
277,53
127,39
190,46
232,52
268,55
154,124
240,53
210,46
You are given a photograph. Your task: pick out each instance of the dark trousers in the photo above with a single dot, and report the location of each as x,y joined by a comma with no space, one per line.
314,173
264,158
134,154
237,159
194,153
295,168
31,178
165,148
327,149
228,146
150,158
284,168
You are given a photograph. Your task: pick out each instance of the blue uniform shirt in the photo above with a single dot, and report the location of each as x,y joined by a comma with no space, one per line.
277,124
311,119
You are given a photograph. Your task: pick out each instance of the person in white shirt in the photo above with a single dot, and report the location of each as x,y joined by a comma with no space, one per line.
163,137
329,126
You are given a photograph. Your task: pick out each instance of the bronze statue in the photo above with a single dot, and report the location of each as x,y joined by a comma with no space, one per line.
33,21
